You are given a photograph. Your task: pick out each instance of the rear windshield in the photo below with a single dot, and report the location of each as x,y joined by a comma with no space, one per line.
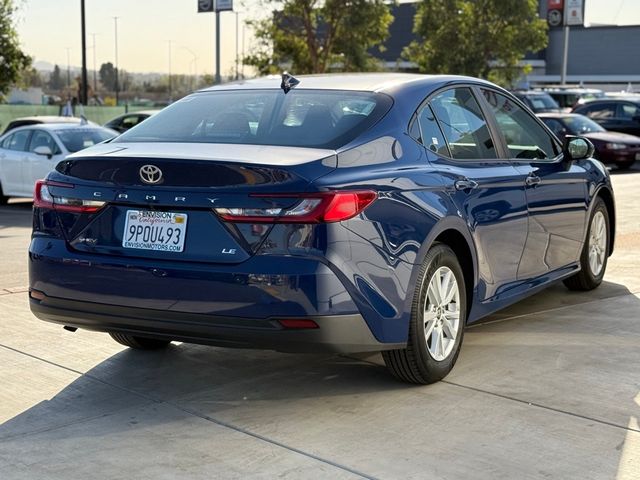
300,118
78,139
542,102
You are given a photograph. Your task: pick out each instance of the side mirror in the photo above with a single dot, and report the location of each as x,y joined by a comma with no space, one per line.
43,150
577,148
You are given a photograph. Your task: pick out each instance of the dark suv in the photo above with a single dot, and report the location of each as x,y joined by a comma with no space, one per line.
617,114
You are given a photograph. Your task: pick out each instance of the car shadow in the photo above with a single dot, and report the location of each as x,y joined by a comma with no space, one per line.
130,392
17,213
635,168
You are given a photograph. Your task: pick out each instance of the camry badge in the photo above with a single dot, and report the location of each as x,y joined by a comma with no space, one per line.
150,174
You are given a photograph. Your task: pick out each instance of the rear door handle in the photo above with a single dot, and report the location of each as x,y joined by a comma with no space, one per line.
465,184
532,180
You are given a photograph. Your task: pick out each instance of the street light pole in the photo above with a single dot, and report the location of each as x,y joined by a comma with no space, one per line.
218,77
83,92
237,43
115,20
195,67
170,95
95,81
243,49
565,56
68,68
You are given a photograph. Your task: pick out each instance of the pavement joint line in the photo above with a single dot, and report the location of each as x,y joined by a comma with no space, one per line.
518,400
539,405
549,310
194,413
62,425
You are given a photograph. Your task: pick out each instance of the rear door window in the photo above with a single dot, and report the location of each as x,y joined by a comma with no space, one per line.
463,125
18,141
430,134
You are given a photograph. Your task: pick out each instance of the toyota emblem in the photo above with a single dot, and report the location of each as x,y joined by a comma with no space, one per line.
150,174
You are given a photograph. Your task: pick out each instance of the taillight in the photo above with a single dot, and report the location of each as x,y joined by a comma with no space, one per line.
321,207
43,198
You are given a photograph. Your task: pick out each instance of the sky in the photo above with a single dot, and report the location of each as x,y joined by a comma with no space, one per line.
48,27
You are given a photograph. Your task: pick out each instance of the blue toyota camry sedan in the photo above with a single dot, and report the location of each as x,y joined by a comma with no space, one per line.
340,213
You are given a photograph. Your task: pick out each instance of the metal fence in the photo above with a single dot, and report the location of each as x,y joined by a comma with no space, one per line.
99,115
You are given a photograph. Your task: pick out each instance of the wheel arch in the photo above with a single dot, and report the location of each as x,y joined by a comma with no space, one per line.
454,233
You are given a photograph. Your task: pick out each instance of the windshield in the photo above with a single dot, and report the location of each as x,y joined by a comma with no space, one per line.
542,103
76,139
301,118
580,124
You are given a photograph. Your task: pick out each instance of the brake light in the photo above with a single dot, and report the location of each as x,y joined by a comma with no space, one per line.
324,207
43,198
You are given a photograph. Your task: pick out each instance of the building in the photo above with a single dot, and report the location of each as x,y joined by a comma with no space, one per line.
603,56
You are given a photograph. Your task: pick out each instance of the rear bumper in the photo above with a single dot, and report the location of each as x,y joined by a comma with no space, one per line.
335,333
227,305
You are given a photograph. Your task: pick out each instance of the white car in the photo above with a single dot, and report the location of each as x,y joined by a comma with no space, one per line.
29,153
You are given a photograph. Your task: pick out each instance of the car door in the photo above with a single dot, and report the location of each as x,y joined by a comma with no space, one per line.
12,158
604,113
39,166
481,184
556,191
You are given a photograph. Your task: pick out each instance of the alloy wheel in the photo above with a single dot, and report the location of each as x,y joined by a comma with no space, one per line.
441,313
597,243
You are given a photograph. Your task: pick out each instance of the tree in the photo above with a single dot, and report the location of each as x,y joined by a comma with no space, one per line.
55,80
315,36
107,74
479,38
13,60
30,77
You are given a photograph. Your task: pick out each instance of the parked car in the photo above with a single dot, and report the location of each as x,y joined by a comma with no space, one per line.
569,97
617,114
28,153
537,101
370,212
39,119
124,122
618,148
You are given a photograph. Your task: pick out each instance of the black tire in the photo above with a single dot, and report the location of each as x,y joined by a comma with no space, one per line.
139,343
625,165
585,279
3,199
415,364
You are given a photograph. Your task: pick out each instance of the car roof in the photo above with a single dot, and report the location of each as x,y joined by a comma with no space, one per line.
136,112
48,119
371,82
571,90
558,115
612,100
55,126
529,92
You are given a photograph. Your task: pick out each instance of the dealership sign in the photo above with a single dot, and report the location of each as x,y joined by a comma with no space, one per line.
574,12
214,6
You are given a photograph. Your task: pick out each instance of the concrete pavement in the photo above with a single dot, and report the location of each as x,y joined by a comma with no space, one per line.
549,389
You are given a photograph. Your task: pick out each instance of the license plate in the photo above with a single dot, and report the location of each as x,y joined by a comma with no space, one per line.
150,230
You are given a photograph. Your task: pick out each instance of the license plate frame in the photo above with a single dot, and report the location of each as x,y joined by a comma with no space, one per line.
155,231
